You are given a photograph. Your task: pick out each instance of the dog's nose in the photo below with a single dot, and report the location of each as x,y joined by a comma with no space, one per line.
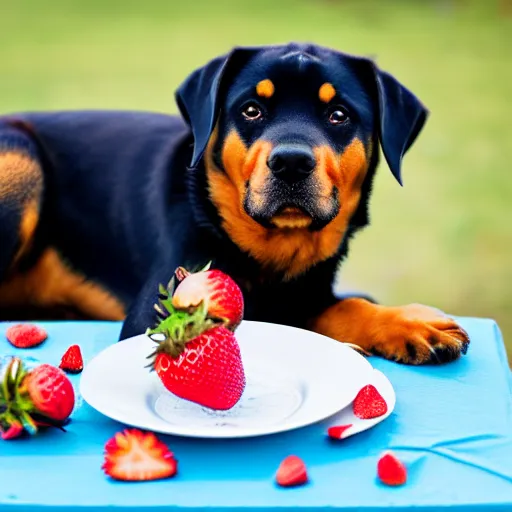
291,163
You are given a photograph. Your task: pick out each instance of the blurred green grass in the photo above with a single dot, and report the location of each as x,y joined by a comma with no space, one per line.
444,238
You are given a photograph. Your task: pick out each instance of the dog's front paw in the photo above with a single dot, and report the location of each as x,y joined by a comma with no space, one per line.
417,334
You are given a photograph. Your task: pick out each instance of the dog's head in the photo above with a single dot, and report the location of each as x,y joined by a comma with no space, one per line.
289,138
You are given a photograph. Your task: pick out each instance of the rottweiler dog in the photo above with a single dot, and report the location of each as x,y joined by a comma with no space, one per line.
267,173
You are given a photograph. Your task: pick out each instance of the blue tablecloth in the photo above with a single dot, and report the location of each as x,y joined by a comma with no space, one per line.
452,425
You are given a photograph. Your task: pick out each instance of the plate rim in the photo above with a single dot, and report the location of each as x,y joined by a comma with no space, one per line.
174,430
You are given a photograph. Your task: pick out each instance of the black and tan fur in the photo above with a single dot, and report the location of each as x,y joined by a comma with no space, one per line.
267,172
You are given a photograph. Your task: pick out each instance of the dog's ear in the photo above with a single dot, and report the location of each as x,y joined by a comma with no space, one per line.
401,118
198,97
400,114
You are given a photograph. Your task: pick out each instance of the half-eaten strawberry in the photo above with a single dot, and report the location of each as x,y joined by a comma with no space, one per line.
222,297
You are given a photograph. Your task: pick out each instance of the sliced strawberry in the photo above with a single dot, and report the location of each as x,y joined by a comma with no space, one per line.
291,472
133,455
72,361
25,335
390,470
369,403
337,431
15,430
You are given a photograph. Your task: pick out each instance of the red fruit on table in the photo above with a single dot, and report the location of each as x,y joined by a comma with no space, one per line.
72,361
133,455
13,431
25,335
390,470
291,472
43,396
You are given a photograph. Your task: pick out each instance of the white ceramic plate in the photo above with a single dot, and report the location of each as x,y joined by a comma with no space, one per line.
294,378
355,425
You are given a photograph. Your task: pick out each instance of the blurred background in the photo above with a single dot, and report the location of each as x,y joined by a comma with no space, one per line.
445,238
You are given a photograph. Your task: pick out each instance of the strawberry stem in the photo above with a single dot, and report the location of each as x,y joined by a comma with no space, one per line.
179,327
15,405
181,272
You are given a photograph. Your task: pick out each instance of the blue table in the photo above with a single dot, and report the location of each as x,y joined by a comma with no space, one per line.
452,425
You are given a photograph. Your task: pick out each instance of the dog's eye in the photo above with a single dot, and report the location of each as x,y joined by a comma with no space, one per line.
337,116
252,112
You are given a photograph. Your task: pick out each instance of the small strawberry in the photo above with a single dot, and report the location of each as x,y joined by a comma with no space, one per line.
390,470
291,472
43,396
25,335
13,431
197,358
72,361
337,431
133,455
369,403
219,292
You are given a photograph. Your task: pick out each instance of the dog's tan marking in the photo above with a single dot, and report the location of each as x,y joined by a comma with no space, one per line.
265,88
408,334
21,184
28,225
50,282
20,176
326,92
292,249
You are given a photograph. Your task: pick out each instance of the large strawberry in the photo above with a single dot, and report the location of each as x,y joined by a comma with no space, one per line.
219,292
197,358
43,396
